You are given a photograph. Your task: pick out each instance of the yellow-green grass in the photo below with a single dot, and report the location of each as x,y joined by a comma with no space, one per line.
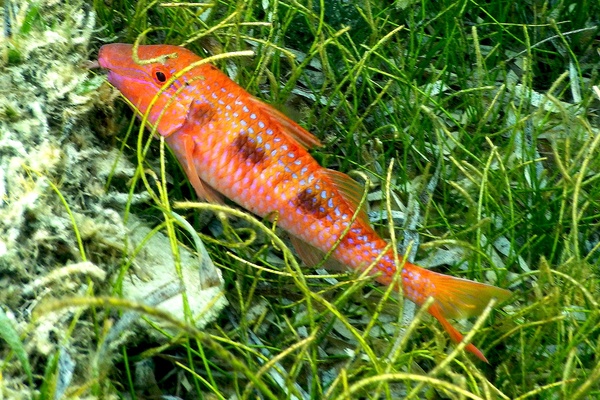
475,122
492,103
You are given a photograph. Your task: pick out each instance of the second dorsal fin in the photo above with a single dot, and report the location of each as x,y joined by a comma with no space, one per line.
289,127
350,190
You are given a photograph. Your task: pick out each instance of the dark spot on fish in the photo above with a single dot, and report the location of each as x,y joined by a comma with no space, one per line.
200,113
247,148
310,203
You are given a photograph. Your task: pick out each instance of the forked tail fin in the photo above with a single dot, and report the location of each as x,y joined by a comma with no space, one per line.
460,298
455,335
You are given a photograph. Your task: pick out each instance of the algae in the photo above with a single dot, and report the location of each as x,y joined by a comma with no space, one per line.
62,228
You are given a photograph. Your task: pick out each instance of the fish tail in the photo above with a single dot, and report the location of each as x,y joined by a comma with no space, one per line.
454,298
454,334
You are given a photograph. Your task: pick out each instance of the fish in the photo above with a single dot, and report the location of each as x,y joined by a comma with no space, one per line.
233,145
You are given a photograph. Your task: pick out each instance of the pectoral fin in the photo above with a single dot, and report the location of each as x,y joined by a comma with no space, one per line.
183,144
203,190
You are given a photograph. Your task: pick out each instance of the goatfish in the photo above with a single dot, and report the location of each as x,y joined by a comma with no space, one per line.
231,144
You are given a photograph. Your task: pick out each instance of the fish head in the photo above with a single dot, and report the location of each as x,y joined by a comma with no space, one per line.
143,80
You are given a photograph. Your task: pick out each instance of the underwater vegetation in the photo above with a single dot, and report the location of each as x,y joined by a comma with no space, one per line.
474,127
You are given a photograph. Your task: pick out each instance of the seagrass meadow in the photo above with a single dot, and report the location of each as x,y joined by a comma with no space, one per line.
474,127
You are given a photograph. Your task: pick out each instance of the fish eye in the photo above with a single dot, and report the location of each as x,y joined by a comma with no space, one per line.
159,75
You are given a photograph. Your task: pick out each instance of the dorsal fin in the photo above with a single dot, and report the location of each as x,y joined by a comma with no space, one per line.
351,191
292,129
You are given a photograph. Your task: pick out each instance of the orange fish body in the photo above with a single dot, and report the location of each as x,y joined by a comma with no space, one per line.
232,144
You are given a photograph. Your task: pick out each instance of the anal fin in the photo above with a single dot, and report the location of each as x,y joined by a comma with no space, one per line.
311,256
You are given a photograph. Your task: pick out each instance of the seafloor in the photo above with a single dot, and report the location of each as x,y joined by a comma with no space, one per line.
63,231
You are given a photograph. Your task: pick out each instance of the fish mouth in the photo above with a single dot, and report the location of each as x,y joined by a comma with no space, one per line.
91,64
97,64
103,58
101,62
113,58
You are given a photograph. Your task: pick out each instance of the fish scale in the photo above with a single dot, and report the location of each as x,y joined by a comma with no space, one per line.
278,178
231,144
